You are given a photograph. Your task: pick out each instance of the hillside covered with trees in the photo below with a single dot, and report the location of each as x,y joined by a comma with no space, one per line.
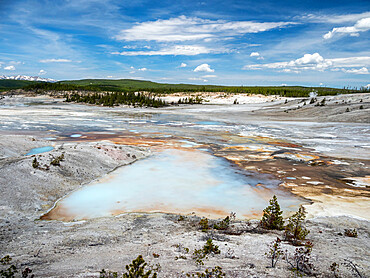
130,85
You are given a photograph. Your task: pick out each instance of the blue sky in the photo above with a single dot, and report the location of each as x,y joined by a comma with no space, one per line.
310,43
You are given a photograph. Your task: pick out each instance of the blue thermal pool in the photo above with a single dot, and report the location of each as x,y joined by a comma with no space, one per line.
40,150
209,123
173,181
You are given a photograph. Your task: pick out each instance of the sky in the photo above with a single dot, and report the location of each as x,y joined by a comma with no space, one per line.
308,43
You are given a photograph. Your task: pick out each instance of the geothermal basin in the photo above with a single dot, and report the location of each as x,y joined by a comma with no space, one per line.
174,181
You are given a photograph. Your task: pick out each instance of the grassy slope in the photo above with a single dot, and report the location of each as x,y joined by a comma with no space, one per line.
132,85
122,83
6,84
139,84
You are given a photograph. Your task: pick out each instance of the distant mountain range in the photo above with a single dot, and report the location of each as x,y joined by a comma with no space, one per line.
27,78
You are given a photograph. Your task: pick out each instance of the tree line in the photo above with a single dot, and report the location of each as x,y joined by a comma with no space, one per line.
165,89
116,98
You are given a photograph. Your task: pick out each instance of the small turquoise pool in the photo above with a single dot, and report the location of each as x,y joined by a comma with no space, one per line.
209,123
173,181
40,150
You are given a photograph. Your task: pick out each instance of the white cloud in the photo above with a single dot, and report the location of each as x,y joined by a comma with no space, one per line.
332,18
42,72
185,28
254,54
209,76
55,61
135,47
129,46
351,62
9,68
309,59
183,65
317,62
290,70
187,50
367,86
198,79
195,78
361,25
203,67
133,70
357,71
257,55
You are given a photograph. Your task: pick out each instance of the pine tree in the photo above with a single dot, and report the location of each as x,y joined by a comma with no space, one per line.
272,219
137,269
295,231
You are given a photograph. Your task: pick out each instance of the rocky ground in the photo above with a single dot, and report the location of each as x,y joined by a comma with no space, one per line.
83,248
56,249
340,108
353,108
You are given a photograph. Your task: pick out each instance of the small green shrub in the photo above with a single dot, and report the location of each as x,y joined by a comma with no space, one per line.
137,269
294,230
198,256
300,262
275,252
350,233
181,248
223,224
26,272
208,249
203,223
272,219
334,267
134,270
216,272
56,161
35,163
9,270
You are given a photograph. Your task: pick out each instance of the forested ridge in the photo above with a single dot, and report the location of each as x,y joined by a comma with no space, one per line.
146,93
128,85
